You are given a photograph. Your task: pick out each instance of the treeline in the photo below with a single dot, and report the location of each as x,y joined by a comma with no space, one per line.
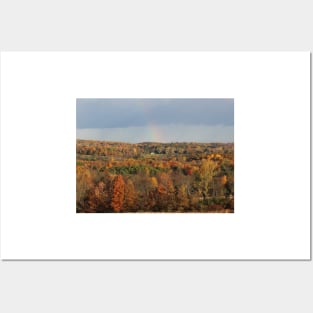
126,150
121,177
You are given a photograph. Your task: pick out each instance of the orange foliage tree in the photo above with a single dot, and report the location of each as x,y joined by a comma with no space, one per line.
118,193
165,192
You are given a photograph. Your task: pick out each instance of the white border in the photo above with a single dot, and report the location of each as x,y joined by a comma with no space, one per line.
272,155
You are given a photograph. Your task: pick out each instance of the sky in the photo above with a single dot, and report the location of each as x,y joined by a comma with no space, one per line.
155,120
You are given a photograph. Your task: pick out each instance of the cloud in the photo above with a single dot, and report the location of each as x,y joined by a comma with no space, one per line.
120,113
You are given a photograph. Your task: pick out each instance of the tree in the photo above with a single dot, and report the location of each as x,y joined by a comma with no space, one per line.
206,172
165,196
83,184
224,180
130,195
154,182
167,182
97,199
118,193
182,198
91,201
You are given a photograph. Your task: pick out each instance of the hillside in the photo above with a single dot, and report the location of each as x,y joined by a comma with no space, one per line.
154,177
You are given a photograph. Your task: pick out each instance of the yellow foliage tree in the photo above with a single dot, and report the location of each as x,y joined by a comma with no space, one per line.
206,172
130,195
154,182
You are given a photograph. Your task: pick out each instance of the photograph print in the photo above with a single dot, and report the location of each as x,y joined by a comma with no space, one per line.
154,155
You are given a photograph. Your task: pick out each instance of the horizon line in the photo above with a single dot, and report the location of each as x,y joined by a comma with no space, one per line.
162,142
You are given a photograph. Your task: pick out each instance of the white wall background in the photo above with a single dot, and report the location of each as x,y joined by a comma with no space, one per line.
156,286
272,125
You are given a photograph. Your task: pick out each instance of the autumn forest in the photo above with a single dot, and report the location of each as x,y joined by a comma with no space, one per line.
119,177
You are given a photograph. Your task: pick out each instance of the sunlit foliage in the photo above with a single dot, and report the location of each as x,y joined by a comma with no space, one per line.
117,177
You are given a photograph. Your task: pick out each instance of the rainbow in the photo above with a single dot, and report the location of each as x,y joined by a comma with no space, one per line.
154,132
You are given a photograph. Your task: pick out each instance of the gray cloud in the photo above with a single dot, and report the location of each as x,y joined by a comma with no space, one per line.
121,113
